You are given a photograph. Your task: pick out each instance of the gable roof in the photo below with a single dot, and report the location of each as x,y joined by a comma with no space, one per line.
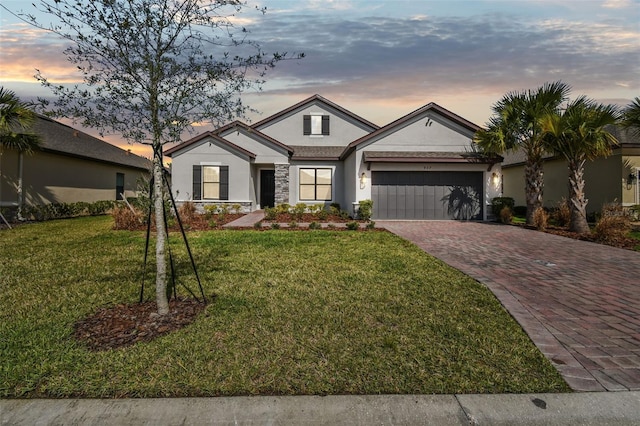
431,106
61,139
240,126
215,137
308,101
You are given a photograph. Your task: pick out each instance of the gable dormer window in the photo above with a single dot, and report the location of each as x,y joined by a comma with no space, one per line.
315,125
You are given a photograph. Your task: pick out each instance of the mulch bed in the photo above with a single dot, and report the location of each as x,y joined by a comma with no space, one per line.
123,325
626,243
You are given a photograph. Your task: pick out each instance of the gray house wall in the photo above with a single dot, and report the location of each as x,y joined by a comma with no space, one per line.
206,153
288,129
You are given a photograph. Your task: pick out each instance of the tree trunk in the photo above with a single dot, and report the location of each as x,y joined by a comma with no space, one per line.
534,185
161,234
578,202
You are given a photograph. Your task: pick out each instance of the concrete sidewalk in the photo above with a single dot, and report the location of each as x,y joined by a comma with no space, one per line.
596,408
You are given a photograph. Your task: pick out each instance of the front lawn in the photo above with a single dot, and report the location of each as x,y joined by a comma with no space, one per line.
295,312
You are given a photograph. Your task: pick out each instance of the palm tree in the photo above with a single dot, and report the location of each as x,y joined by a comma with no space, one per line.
578,134
515,125
16,120
631,116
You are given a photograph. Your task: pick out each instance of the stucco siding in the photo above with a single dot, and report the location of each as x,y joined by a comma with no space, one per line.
604,182
265,152
52,178
204,153
289,130
428,133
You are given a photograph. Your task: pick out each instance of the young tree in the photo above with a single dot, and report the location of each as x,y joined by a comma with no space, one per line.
515,125
578,134
151,69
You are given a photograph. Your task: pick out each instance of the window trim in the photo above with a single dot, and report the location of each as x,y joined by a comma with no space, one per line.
315,183
307,125
198,182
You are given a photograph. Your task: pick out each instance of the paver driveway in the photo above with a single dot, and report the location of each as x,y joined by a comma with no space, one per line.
578,301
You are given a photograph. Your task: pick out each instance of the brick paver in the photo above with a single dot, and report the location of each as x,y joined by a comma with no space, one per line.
578,301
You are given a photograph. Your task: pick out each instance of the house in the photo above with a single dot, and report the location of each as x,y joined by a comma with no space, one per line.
611,179
420,166
69,166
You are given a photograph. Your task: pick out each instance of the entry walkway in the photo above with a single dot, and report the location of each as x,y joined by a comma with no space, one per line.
578,301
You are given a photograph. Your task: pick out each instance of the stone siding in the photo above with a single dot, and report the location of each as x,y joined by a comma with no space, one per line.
282,183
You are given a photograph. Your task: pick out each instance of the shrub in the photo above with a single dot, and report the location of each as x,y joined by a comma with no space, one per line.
365,209
187,211
540,219
258,225
237,208
270,213
506,216
210,210
499,203
275,226
314,225
635,212
298,210
562,215
126,219
213,224
614,223
283,208
293,224
353,226
322,214
371,225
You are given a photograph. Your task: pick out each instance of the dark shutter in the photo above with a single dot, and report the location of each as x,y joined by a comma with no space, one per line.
306,125
197,182
224,182
325,124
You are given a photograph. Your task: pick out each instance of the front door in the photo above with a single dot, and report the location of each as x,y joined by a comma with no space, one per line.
267,188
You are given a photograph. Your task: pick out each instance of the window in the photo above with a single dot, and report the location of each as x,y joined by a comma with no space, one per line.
315,124
315,184
210,182
119,186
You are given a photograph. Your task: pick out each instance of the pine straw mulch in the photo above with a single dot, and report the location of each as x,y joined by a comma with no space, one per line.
623,242
126,324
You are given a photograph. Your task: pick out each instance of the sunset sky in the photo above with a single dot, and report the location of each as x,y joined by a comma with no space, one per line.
383,59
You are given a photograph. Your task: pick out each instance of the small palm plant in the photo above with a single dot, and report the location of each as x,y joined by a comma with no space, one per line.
578,134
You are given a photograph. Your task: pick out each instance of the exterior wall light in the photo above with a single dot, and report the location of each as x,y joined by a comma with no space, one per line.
363,180
631,179
495,179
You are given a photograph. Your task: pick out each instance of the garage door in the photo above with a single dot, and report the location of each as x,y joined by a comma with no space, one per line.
427,195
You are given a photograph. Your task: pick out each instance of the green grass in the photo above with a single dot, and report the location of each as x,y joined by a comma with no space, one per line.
313,312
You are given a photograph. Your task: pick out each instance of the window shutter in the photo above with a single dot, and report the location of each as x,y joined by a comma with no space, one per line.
325,124
197,182
306,125
224,182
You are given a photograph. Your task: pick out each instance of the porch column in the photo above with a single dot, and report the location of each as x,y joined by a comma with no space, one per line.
282,183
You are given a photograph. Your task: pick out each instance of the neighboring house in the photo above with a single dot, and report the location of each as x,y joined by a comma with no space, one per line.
69,166
611,179
420,166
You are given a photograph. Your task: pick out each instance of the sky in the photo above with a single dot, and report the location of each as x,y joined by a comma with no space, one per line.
383,59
